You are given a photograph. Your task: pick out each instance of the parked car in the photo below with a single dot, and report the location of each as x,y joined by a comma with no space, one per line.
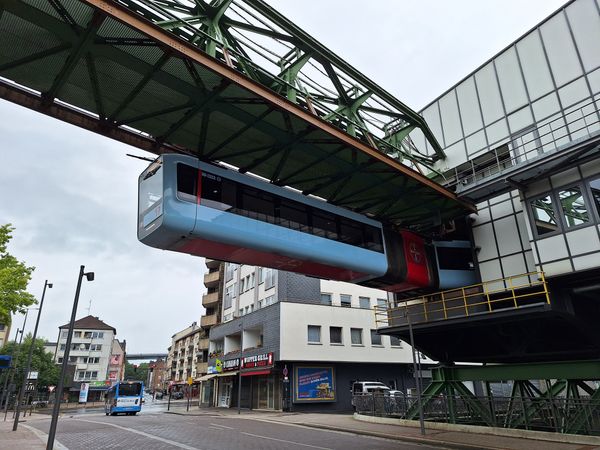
158,395
177,395
362,388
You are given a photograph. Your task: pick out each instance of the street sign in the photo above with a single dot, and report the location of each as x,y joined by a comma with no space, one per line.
190,381
51,388
32,375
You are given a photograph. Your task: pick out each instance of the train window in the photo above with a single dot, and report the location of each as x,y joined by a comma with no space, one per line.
187,182
293,215
351,232
324,225
455,258
258,205
373,238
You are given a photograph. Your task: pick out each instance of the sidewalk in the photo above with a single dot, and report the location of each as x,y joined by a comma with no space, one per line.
441,438
22,439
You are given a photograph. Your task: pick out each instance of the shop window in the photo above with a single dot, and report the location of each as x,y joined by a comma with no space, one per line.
544,216
335,335
314,334
574,210
356,336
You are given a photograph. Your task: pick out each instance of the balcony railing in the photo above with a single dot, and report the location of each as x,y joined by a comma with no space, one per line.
211,278
489,297
208,321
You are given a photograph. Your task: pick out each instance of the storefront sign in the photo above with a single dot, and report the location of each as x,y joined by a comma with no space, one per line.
314,384
263,360
100,384
211,370
231,364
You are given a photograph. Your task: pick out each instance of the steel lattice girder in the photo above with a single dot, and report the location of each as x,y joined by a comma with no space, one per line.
152,83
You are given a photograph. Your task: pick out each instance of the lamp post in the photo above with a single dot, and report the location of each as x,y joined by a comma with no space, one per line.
417,374
59,388
240,367
28,364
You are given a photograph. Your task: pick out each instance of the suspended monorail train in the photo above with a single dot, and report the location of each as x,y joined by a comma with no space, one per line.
193,207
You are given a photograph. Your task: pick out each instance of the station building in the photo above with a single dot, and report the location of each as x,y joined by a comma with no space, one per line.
522,138
299,342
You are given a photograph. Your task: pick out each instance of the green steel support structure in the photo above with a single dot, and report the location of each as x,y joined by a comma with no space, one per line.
566,398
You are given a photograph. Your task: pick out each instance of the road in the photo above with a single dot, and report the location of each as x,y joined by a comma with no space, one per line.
155,429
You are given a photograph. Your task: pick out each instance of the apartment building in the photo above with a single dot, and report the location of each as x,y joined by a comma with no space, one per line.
184,353
299,342
4,334
90,354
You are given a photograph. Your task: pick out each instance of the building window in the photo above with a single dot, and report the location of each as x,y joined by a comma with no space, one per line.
269,278
574,210
375,338
335,335
314,334
364,302
395,342
356,336
382,303
241,312
63,347
326,299
234,290
242,283
346,300
77,334
544,216
96,347
229,268
228,297
64,335
595,188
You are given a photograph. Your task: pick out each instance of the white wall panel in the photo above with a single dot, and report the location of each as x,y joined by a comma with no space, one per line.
557,268
450,118
552,248
523,227
520,119
561,50
513,265
476,142
531,267
585,23
469,106
511,81
490,270
565,178
584,240
587,261
502,209
535,68
594,79
497,132
591,168
546,106
483,237
507,235
489,94
574,91
432,117
482,216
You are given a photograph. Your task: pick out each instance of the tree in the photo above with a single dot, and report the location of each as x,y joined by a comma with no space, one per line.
136,371
14,277
41,361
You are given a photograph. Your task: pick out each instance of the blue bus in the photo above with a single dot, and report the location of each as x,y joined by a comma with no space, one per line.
124,397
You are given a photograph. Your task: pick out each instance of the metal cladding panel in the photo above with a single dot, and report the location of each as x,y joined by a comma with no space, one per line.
119,74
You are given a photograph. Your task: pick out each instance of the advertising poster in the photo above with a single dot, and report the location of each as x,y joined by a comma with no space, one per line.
314,384
83,392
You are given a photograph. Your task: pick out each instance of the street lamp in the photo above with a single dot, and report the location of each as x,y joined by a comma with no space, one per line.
59,388
28,364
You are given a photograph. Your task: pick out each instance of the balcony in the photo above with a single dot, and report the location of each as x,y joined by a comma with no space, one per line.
211,279
203,343
202,367
208,321
212,263
209,300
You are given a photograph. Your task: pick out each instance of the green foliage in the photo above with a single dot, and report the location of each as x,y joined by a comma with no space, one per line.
14,277
141,373
41,361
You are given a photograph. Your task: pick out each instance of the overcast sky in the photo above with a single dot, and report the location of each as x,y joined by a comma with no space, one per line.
71,194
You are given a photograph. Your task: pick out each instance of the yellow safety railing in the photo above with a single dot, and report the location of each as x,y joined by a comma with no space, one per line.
513,292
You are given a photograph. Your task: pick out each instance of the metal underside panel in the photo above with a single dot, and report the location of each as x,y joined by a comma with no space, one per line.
101,66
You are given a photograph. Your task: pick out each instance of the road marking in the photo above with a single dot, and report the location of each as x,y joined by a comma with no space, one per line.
141,433
223,426
44,437
283,440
